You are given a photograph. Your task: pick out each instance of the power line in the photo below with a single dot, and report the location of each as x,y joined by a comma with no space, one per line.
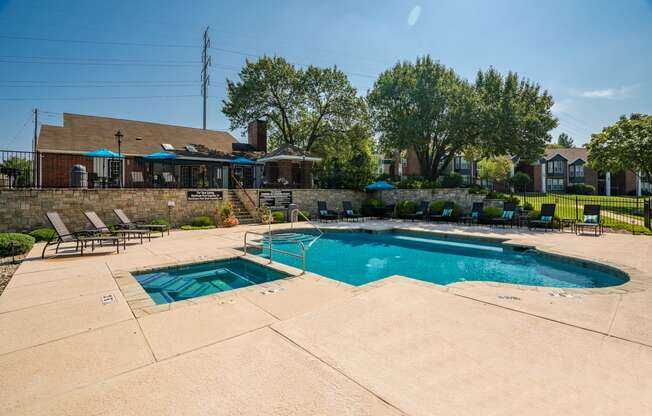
60,58
95,63
205,76
99,42
95,98
98,81
102,85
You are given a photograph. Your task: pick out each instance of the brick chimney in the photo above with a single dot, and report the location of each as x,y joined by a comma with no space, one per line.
257,134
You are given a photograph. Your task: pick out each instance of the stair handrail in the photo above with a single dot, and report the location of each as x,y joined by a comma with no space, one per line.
298,211
302,248
239,185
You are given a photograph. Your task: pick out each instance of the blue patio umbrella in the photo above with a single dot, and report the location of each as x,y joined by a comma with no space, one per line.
161,156
242,161
102,153
379,186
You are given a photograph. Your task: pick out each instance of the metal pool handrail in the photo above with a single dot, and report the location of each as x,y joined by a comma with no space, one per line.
302,247
298,211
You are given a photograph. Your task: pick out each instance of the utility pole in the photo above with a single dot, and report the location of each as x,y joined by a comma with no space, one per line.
205,77
34,154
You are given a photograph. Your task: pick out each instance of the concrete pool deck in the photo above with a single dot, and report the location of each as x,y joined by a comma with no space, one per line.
311,345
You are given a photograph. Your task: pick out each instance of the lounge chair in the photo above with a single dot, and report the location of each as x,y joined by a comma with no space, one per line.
128,224
592,220
348,212
508,216
324,213
168,178
422,213
80,238
474,215
101,228
446,213
137,178
547,218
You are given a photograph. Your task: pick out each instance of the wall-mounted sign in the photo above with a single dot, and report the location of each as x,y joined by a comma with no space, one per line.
274,198
204,195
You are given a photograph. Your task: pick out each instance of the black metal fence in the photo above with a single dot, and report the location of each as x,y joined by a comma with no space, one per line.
50,170
617,212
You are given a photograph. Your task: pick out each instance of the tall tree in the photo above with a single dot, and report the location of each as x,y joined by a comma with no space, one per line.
627,145
565,141
302,105
424,107
515,116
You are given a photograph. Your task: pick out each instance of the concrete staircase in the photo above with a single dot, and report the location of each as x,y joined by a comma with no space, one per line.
244,216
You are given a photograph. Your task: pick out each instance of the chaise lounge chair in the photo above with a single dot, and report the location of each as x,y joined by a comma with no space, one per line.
508,216
324,213
348,212
422,213
128,224
547,219
474,215
101,228
591,220
446,213
80,238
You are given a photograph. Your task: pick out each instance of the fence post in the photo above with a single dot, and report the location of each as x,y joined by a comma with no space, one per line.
577,208
647,213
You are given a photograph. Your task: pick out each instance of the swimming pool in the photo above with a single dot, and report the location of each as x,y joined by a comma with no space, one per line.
358,258
186,282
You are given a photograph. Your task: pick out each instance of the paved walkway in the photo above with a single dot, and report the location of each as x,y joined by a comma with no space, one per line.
311,345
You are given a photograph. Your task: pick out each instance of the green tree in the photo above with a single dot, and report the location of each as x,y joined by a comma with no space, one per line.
521,181
515,116
565,141
425,107
627,145
303,106
23,169
495,169
347,160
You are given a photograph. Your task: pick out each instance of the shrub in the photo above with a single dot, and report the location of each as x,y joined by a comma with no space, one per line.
489,213
437,207
230,221
415,183
203,221
495,195
43,234
452,180
405,208
521,181
161,221
477,189
304,215
278,216
13,244
580,189
514,199
528,207
197,227
226,210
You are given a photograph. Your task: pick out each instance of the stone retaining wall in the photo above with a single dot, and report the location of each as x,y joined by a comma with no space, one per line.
23,210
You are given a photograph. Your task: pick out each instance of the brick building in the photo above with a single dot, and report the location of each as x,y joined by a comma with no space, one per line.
187,157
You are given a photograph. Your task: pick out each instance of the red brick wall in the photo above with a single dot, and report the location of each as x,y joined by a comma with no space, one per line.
55,168
536,177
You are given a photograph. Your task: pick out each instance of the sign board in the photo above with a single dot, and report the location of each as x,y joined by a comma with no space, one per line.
204,195
274,199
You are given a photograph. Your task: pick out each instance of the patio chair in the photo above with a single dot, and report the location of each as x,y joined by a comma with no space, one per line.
508,216
474,216
592,220
137,178
348,212
446,213
101,228
546,220
128,224
324,213
80,238
422,213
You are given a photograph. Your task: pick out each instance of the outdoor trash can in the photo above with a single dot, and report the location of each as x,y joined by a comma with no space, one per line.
78,177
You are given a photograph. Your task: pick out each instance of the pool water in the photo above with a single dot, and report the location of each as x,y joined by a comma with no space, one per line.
186,282
358,258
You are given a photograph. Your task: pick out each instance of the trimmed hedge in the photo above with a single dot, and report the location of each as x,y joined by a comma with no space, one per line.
405,208
452,180
13,244
580,189
278,216
43,234
203,221
161,221
489,213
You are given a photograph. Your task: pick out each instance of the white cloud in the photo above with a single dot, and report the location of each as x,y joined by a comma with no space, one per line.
610,93
414,15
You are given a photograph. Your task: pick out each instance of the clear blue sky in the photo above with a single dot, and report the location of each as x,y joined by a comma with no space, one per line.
594,56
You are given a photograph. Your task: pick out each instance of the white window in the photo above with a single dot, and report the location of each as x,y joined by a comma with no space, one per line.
576,171
555,167
167,146
554,184
191,148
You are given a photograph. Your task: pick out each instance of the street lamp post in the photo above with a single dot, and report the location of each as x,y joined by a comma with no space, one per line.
119,136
